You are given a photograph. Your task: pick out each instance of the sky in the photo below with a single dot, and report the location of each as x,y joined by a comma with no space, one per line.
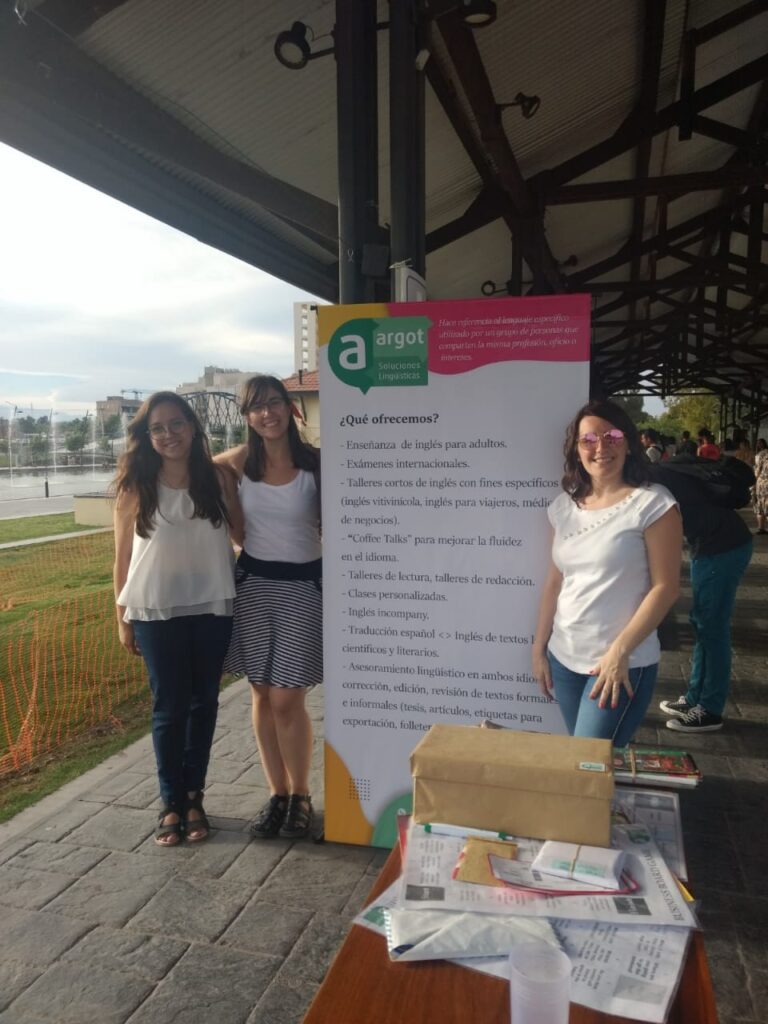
96,297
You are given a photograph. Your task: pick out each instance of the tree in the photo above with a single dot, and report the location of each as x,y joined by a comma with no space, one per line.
112,427
632,406
76,432
695,411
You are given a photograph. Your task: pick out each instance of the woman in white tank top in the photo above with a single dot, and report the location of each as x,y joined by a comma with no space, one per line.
174,590
277,635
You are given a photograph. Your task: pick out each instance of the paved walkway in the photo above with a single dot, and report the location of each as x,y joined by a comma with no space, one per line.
20,508
55,536
99,926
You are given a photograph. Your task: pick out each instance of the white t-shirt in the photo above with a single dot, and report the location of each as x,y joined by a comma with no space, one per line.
602,556
282,521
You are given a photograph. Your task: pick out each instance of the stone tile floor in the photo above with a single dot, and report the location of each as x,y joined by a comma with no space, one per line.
99,925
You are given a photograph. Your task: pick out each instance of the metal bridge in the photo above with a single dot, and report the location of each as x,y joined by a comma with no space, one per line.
218,411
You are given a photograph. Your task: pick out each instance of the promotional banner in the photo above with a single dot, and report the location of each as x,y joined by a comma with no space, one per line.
442,428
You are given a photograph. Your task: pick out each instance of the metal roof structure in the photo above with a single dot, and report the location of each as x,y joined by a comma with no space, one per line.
639,176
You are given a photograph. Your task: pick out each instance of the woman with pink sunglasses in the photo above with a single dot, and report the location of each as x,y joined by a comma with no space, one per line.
613,576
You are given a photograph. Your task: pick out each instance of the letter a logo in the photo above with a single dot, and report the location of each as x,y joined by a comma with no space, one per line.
352,352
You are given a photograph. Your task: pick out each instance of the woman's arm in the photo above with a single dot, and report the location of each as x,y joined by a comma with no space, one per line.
126,506
547,606
234,458
228,481
664,547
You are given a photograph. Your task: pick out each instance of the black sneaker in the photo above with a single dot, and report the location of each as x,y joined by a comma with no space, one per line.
697,720
267,823
298,817
679,708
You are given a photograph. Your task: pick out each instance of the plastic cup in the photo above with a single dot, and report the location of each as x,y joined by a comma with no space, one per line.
540,984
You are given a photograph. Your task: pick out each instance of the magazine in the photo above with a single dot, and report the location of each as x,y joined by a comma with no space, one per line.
654,766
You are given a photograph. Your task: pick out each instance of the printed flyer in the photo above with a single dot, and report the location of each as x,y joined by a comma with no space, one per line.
442,428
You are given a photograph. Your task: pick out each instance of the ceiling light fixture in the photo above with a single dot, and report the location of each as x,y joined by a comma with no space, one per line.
292,47
477,13
528,105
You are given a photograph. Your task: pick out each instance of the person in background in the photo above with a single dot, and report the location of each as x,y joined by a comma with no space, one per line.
707,448
743,449
613,576
651,441
720,547
277,636
686,446
174,590
760,500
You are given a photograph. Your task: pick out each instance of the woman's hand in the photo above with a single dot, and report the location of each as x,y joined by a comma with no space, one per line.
612,673
128,638
543,673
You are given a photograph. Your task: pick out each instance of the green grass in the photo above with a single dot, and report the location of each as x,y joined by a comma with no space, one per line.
30,527
58,631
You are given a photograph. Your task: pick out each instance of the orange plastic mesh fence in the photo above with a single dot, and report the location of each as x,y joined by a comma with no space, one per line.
63,671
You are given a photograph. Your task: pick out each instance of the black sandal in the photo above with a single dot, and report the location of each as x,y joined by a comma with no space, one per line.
269,820
298,817
199,824
170,828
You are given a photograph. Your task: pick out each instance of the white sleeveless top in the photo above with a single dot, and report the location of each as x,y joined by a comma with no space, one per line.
184,567
282,521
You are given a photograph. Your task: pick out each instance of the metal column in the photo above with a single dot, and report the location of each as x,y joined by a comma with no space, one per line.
357,126
406,136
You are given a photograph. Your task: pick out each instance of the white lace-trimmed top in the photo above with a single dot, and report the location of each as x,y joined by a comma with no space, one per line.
184,567
602,556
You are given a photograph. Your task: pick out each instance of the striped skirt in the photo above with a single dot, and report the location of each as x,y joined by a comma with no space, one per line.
277,637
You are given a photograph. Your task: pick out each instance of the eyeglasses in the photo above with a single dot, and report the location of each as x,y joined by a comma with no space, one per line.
271,405
171,427
611,437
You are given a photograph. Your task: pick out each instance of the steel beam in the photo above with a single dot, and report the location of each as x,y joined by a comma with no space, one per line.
357,140
407,186
41,65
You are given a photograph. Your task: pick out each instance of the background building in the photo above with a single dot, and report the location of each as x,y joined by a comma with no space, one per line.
304,389
305,335
116,405
215,378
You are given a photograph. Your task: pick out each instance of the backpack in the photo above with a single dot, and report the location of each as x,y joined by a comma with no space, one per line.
725,482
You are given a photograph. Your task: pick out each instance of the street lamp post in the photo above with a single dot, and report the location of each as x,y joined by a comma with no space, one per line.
15,409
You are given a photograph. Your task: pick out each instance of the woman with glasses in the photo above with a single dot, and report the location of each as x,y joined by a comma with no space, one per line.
613,576
277,636
174,587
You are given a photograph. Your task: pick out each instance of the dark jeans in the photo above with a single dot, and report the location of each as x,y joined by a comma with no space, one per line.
714,582
184,658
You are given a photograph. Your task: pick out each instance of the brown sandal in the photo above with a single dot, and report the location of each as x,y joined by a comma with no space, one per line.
164,830
199,824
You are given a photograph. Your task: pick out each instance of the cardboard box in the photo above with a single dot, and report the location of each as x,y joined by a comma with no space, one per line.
527,784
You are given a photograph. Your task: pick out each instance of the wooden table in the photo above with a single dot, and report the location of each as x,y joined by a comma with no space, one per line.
364,987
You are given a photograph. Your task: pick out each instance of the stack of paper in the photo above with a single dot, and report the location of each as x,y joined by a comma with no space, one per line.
627,950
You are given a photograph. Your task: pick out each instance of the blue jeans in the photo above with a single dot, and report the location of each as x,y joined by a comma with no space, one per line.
714,581
184,658
584,717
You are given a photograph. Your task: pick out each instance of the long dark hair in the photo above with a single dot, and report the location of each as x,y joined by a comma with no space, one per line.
576,481
140,464
304,456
